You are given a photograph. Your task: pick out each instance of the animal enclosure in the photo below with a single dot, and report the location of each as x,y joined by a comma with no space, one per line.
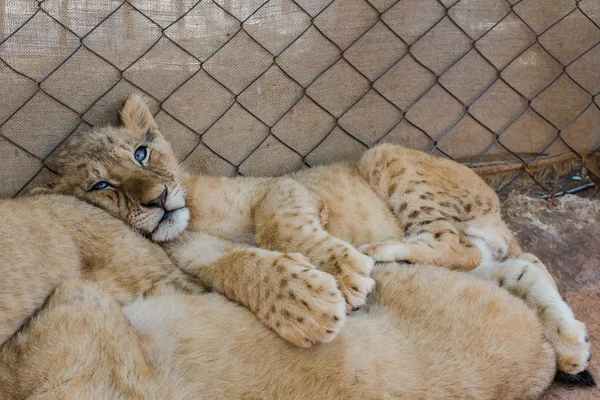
265,87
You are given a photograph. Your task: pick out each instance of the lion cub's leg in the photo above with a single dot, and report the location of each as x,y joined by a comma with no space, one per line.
432,237
435,242
527,277
285,291
290,219
433,199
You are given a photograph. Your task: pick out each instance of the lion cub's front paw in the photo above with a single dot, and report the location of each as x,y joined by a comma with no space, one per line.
352,271
305,306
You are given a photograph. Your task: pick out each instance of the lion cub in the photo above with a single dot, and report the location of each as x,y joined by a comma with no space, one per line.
236,234
47,239
421,337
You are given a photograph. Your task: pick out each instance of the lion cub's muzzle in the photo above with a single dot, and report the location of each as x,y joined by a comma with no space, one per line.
173,218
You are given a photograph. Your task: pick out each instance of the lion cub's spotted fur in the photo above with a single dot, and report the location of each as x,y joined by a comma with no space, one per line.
393,204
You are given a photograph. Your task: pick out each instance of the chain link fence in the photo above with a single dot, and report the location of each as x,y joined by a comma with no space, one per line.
265,87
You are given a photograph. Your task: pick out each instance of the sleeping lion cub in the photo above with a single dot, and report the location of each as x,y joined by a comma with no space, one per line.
47,239
394,204
416,339
426,333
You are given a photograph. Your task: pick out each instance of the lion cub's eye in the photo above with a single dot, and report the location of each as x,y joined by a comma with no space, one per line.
101,186
141,154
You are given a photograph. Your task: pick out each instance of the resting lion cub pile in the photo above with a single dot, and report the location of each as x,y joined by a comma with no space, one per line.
288,250
395,204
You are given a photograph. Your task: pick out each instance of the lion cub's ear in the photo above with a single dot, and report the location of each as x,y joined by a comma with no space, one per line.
137,118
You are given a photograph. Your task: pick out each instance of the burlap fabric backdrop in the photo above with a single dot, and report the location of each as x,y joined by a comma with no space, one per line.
261,87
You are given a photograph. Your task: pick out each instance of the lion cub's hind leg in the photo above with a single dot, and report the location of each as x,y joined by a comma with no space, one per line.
434,234
527,278
492,237
429,241
436,201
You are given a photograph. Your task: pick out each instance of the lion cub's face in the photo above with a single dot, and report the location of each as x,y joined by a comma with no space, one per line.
129,171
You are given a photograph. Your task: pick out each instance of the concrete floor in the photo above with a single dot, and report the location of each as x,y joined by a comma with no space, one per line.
565,234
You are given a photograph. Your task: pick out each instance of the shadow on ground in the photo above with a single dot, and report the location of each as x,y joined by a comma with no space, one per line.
565,234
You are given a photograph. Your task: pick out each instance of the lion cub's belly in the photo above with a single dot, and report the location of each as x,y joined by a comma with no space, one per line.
355,213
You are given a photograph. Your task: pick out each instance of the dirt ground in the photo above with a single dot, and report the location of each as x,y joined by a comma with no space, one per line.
565,234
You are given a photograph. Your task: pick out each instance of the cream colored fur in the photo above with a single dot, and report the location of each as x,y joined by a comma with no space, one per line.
425,333
415,339
47,239
395,204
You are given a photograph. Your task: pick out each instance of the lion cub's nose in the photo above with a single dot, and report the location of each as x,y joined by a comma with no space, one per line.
159,201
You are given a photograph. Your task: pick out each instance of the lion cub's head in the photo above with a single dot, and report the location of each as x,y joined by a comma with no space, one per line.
130,171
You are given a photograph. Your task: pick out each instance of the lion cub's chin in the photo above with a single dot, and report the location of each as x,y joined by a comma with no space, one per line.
168,229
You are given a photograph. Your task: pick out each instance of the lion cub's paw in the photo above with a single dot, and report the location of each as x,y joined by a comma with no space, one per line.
564,332
385,251
492,244
307,307
572,345
353,274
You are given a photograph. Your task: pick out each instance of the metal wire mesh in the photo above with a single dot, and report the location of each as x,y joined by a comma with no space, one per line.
263,87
